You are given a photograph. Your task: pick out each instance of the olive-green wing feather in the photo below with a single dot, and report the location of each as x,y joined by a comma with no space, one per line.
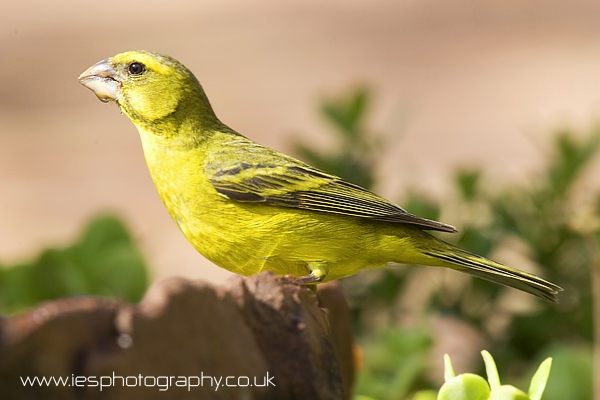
290,183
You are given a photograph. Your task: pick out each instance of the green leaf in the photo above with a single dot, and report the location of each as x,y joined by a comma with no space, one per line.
490,369
540,379
572,155
104,261
507,392
465,387
448,369
468,183
347,114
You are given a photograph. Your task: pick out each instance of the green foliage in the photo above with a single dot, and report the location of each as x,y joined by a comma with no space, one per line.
551,223
571,156
104,261
357,147
572,372
544,218
468,183
473,387
396,359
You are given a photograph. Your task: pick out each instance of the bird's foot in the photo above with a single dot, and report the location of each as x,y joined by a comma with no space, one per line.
318,272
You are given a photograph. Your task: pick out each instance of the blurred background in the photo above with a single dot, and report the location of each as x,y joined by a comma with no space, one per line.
459,110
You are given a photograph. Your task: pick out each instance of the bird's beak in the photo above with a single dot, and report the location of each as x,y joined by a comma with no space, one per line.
102,79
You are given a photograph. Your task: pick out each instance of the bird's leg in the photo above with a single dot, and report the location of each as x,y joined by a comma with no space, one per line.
318,272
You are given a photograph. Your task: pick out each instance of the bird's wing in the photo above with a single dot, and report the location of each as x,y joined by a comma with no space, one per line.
290,183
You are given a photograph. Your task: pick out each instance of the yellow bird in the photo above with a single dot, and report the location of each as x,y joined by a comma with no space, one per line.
248,208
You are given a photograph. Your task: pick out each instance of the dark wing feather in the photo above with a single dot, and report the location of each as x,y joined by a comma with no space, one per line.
301,186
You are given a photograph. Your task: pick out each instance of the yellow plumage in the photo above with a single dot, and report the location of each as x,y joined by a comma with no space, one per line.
248,208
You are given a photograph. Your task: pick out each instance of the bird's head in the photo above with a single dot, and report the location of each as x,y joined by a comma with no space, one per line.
146,86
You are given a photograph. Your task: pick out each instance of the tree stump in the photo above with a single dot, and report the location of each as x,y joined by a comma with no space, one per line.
262,337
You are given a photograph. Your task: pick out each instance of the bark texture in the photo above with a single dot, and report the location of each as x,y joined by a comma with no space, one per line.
264,330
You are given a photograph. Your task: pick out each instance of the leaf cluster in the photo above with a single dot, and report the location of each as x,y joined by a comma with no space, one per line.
550,225
103,261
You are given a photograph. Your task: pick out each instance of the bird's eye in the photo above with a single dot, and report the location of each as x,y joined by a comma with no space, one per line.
136,68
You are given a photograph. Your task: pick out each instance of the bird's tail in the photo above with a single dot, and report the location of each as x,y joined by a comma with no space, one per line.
481,267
